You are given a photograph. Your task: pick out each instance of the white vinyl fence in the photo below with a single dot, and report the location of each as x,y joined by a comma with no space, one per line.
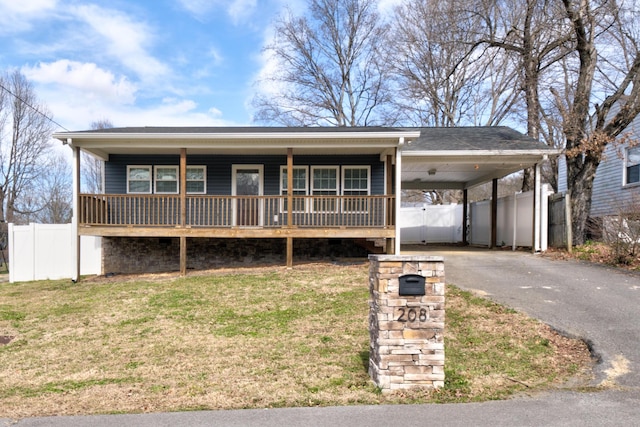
431,224
514,222
45,251
443,223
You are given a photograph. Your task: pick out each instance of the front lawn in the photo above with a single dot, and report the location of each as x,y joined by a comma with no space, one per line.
245,338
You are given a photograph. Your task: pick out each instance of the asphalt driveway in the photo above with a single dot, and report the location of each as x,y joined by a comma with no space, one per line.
597,304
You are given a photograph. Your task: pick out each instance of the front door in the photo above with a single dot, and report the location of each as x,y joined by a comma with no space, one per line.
247,185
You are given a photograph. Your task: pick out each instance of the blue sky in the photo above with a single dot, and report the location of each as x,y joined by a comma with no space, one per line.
141,63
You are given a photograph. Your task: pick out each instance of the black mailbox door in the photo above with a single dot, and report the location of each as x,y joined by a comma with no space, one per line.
411,284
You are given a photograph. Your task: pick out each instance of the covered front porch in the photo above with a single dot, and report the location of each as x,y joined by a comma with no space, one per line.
277,207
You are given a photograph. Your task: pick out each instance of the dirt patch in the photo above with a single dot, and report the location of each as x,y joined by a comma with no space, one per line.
5,339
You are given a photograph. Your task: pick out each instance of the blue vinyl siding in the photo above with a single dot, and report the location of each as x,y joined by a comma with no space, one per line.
219,169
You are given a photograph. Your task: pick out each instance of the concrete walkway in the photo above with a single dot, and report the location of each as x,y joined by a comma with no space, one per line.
598,304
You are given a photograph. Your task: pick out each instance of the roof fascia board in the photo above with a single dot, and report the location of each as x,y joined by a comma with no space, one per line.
465,154
511,157
236,136
497,175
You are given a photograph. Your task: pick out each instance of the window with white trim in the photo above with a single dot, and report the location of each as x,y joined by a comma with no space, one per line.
355,182
139,179
300,186
196,180
632,165
324,182
166,179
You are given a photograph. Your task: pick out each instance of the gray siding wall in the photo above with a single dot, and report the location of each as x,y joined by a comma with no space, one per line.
609,195
562,174
219,169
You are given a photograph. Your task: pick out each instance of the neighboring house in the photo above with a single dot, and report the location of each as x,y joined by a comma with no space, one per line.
616,187
189,197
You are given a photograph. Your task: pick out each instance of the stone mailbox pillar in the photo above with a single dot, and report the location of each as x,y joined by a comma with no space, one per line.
406,322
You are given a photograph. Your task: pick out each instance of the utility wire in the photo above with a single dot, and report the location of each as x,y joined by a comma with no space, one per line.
33,108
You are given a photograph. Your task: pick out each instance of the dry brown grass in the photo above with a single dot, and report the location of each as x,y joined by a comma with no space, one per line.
247,338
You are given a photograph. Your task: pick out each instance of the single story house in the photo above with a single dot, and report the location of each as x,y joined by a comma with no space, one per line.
183,197
616,186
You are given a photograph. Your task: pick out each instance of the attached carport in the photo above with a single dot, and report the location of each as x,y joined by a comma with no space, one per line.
463,157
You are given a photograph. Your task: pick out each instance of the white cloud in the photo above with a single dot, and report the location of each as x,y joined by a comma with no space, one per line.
386,7
170,112
125,39
76,109
89,80
216,56
198,8
17,15
239,10
26,7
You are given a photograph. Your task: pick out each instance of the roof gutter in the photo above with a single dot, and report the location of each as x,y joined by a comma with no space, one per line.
62,136
472,153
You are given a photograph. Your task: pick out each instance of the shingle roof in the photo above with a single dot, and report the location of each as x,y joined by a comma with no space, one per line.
485,138
488,138
239,129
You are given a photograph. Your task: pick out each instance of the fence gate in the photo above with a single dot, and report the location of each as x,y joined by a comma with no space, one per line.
559,220
431,224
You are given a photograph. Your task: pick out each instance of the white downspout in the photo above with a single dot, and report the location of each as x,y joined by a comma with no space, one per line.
398,193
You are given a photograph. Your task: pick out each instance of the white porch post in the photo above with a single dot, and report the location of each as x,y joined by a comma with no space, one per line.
398,193
536,210
75,242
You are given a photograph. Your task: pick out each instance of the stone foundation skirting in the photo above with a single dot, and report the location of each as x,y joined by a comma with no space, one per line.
131,255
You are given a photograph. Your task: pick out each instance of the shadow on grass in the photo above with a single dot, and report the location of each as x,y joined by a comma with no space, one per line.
364,359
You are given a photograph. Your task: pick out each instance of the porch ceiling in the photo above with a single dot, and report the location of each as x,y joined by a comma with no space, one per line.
451,172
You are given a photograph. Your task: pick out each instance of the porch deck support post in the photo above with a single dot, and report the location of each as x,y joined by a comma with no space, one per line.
289,205
465,214
494,213
398,203
76,212
183,210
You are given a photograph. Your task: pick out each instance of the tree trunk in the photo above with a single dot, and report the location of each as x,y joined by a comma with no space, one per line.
528,179
581,174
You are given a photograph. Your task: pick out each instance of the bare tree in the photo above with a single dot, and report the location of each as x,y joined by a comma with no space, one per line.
534,35
92,167
48,200
25,135
328,68
580,63
441,80
443,77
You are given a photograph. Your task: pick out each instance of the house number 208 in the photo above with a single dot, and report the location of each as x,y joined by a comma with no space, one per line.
412,314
